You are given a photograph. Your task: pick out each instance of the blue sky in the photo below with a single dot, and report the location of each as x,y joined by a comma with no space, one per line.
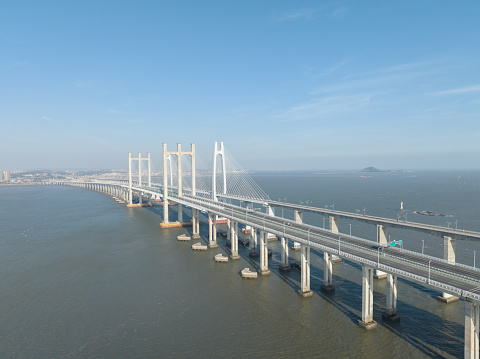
284,84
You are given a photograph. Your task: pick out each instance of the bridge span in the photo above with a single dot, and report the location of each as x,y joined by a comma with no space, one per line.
453,279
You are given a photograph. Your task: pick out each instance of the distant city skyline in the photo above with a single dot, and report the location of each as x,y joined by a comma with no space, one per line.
307,85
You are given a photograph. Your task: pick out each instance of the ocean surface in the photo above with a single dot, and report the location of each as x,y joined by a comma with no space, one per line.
82,276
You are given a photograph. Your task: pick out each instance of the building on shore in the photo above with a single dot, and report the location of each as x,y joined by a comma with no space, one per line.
4,176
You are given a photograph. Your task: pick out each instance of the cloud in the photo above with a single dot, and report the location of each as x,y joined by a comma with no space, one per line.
339,12
310,70
303,13
326,107
459,90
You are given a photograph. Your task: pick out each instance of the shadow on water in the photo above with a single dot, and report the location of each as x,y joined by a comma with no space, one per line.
423,330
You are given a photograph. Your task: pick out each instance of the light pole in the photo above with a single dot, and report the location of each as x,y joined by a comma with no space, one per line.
323,222
378,256
350,229
474,259
338,245
429,271
423,245
308,236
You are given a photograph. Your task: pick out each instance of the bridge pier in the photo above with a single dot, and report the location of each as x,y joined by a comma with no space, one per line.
263,253
367,321
471,329
391,308
196,225
381,239
327,285
449,255
285,266
253,243
234,240
229,231
297,216
180,213
212,230
333,226
305,271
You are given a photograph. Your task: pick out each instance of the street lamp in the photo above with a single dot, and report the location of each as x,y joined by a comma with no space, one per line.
429,271
350,228
423,245
323,222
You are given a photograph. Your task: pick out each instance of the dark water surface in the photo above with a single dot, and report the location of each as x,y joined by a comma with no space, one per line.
83,276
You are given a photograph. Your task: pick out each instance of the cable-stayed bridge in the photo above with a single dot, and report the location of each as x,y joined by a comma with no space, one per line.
227,192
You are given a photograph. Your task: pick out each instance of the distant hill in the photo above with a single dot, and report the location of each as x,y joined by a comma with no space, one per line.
373,169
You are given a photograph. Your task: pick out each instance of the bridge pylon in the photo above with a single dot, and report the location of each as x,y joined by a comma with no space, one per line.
167,155
130,182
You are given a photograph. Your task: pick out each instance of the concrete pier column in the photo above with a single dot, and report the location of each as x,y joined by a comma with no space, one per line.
449,255
229,233
367,321
305,271
180,213
391,307
253,243
297,216
381,239
333,226
234,240
327,285
197,224
471,330
263,254
194,221
285,266
212,231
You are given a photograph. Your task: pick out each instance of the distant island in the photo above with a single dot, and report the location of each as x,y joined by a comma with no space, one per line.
373,169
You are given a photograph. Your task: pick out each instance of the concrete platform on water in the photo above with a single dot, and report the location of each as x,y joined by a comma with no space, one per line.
175,224
220,258
391,318
199,247
306,294
135,205
327,288
264,272
367,326
183,237
447,300
247,273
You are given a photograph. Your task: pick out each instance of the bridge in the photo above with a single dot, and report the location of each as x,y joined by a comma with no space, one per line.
234,198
